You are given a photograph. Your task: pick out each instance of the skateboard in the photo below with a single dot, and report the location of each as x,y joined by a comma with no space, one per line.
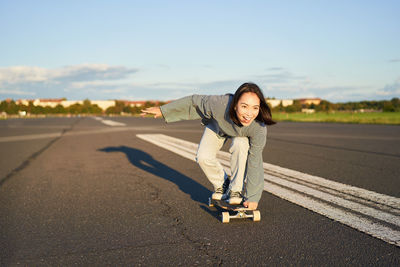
234,211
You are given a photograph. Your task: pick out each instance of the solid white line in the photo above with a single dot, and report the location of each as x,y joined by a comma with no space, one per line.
342,194
378,214
362,224
329,198
347,189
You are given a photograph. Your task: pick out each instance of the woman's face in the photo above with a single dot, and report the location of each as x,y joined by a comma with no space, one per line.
247,108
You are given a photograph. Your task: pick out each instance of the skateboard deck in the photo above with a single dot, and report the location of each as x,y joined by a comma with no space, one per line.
234,211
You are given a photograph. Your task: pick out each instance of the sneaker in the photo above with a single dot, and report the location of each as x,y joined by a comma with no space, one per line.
218,193
235,198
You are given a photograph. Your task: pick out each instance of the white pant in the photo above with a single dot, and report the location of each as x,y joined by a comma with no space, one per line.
210,144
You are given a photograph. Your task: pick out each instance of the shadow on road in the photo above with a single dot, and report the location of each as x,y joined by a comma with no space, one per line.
146,162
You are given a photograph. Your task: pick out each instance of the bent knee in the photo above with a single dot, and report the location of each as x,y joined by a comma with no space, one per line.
203,160
240,144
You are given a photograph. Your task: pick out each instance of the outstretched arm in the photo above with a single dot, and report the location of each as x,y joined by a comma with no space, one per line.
156,111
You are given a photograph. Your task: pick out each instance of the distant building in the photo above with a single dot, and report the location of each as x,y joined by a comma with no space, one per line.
273,102
276,102
309,101
68,103
133,103
47,102
103,104
308,110
23,102
287,102
139,103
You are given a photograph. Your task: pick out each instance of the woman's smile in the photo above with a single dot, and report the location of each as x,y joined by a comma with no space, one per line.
247,108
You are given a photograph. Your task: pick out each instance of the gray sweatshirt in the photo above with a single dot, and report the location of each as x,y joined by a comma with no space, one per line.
215,109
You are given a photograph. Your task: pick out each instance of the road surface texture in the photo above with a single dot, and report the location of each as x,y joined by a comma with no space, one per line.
89,191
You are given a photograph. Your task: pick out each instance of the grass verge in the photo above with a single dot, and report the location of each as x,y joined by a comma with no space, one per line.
341,117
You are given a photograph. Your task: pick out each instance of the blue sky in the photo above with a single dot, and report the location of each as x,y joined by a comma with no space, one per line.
135,50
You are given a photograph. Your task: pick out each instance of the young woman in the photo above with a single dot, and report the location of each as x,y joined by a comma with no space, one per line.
243,118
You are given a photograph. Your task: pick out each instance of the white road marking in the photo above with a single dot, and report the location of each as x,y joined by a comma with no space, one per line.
373,213
55,135
28,137
109,122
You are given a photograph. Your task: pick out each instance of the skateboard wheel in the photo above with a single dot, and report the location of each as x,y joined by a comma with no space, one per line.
256,216
225,217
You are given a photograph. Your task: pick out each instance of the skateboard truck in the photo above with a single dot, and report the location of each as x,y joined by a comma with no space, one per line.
238,211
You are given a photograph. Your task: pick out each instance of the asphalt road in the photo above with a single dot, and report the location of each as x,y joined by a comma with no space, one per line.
74,191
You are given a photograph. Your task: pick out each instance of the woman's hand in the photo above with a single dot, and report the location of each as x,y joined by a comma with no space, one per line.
156,111
250,205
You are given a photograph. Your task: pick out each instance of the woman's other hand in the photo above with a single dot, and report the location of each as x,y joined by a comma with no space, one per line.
250,205
156,111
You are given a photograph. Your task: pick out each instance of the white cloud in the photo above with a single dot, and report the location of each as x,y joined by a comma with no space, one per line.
92,72
391,90
96,84
77,81
20,74
16,92
68,74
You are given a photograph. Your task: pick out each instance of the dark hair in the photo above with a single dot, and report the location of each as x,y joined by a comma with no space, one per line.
264,114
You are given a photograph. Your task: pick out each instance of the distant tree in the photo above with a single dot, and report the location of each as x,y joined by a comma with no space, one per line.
279,108
297,106
86,106
325,106
75,109
22,107
117,109
37,110
31,107
10,107
95,109
59,109
396,104
290,109
388,106
3,106
148,104
48,110
135,110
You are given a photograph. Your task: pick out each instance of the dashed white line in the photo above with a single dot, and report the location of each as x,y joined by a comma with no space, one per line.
109,122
